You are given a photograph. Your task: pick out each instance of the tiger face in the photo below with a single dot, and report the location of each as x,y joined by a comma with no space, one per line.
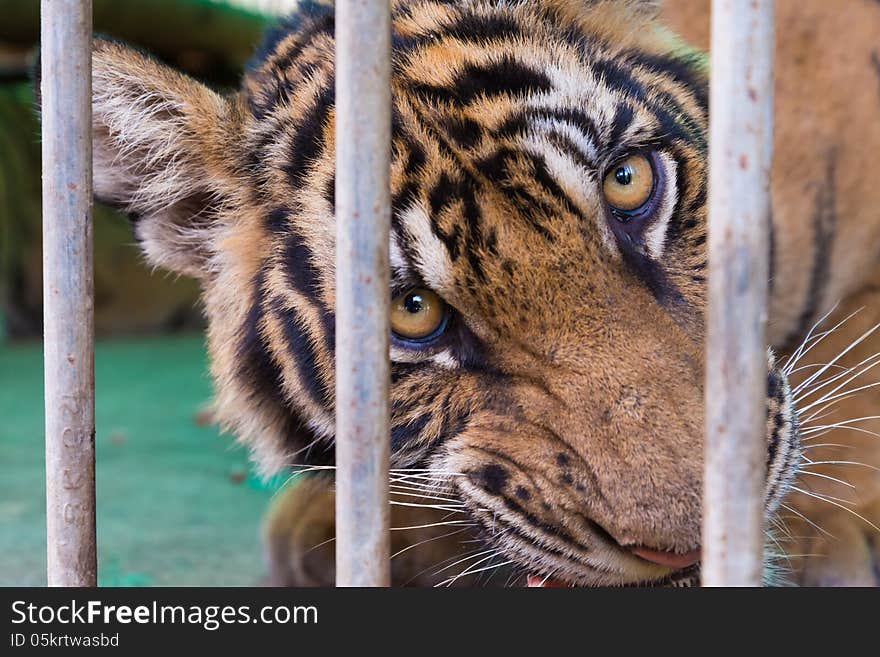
548,258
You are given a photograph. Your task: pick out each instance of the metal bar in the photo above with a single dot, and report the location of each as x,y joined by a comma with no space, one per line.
363,137
68,320
740,138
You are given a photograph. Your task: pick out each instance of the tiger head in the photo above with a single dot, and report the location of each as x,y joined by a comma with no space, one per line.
548,258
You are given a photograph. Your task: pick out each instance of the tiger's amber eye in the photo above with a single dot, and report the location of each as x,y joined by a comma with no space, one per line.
629,183
418,314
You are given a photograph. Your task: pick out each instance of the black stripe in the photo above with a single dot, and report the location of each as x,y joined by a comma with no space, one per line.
310,21
259,374
686,71
302,352
403,433
518,122
675,123
463,131
495,167
507,76
473,219
302,275
566,146
514,507
875,62
468,27
771,262
824,223
257,369
308,141
415,157
542,177
300,271
678,224
444,193
623,118
652,274
276,220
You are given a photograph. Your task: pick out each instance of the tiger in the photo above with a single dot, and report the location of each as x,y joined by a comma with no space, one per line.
548,270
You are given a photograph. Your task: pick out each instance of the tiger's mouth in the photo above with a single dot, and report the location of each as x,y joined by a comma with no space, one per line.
685,577
686,570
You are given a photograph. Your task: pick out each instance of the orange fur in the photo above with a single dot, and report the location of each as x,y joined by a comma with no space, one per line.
564,406
827,136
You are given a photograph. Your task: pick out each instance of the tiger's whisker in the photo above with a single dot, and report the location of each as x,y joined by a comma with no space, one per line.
838,505
468,571
460,523
803,350
848,393
491,552
856,463
427,540
824,476
807,520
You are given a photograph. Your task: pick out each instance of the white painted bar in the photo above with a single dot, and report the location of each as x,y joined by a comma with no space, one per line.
740,138
68,320
363,138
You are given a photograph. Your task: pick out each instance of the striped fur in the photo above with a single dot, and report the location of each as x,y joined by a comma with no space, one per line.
567,391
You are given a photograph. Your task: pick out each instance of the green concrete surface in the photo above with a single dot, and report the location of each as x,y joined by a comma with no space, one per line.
177,503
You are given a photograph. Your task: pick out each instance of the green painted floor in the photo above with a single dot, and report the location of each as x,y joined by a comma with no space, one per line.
177,504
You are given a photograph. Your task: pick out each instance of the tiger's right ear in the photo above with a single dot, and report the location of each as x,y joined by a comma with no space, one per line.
164,149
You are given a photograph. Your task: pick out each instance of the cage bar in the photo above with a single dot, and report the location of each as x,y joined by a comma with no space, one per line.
363,137
740,138
68,321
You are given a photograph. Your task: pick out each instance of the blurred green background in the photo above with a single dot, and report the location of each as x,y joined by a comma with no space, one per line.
177,503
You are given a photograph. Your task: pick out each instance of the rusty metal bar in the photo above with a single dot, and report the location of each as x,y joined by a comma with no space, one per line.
68,321
740,138
363,138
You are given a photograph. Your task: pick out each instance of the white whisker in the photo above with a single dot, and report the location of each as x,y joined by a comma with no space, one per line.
856,463
410,492
839,506
802,348
811,341
427,540
848,393
491,552
807,520
429,506
460,523
469,571
824,476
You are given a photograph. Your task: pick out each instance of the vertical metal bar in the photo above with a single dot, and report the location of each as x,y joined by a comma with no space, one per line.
68,321
740,138
363,137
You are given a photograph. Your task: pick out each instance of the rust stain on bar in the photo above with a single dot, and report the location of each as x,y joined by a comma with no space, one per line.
741,130
68,319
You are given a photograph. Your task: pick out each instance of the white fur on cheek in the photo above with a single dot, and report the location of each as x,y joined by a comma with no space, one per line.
430,253
655,235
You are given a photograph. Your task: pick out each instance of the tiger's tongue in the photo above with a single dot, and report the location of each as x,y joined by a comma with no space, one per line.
534,581
668,559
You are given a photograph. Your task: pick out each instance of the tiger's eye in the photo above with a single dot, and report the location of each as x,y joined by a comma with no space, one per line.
629,184
417,314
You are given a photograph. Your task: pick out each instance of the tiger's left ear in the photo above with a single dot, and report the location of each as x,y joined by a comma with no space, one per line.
164,149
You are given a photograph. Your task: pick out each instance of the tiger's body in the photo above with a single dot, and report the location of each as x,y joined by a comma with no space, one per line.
548,263
826,227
